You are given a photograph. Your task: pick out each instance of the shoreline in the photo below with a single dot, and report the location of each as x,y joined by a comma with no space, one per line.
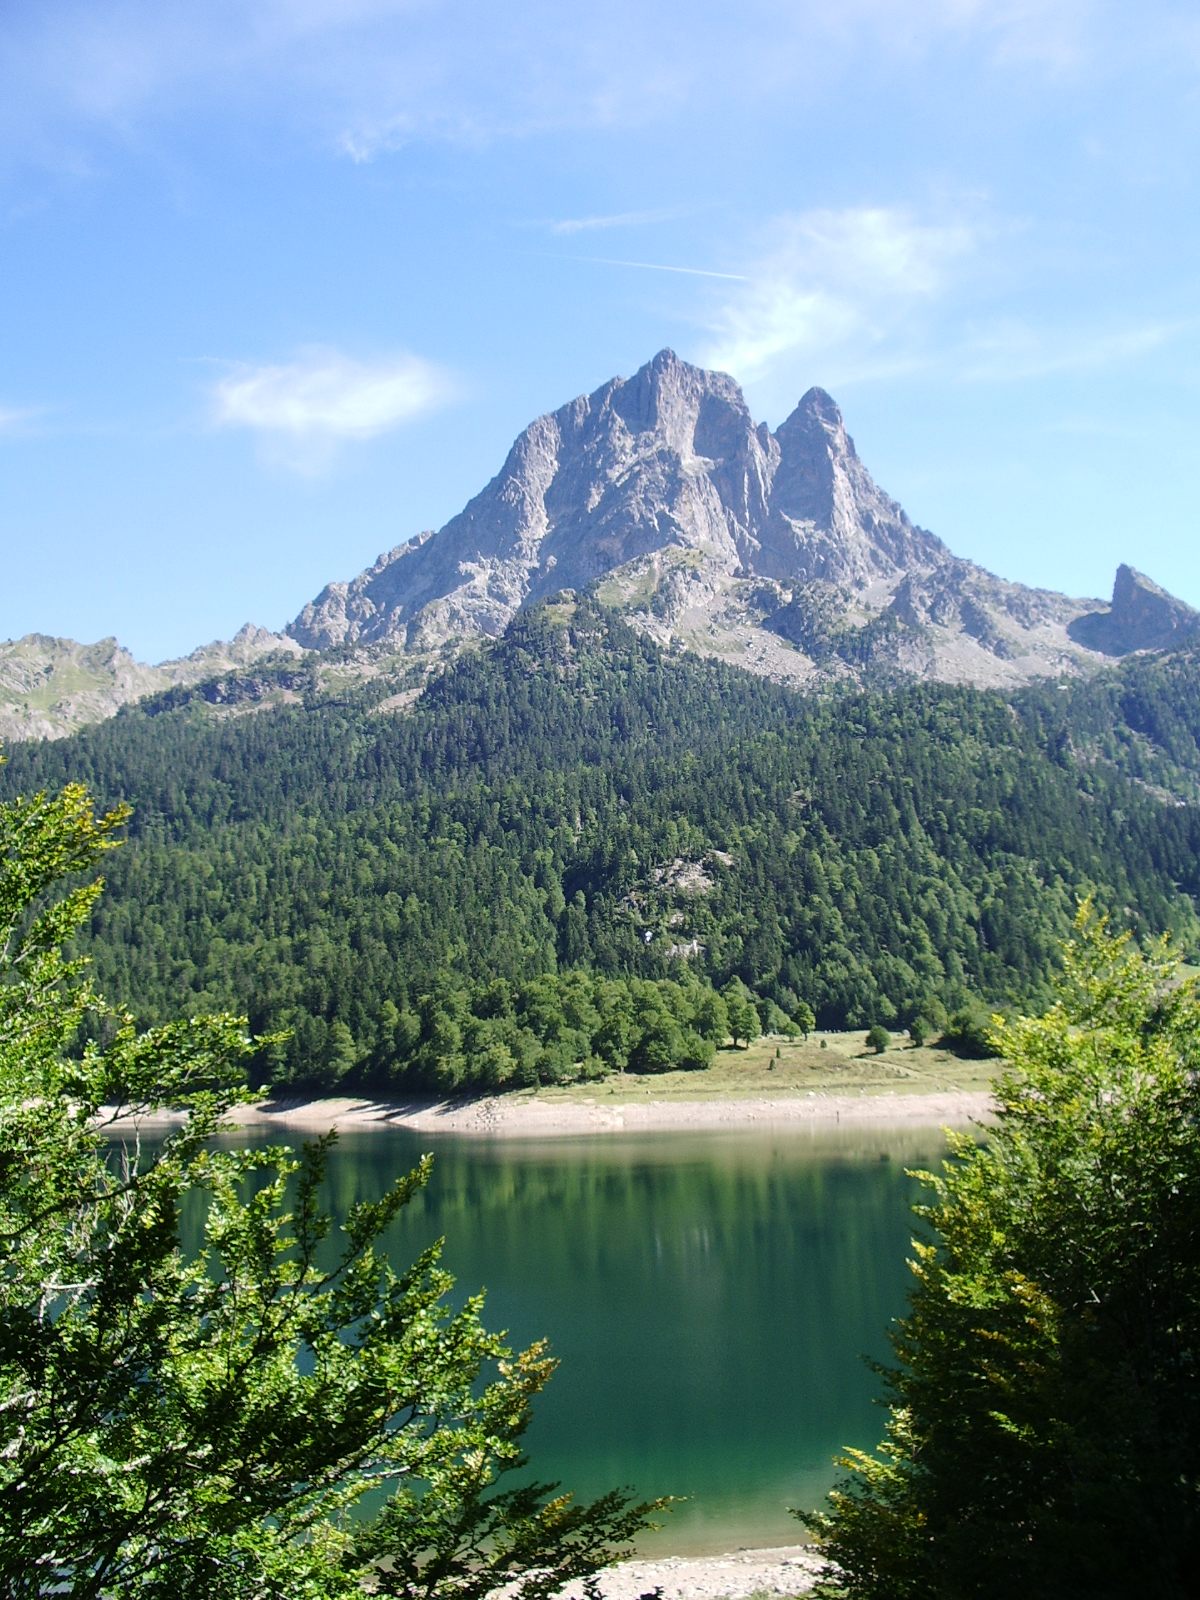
528,1116
781,1570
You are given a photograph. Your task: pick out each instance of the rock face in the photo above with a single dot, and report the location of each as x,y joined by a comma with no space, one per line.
775,550
1142,617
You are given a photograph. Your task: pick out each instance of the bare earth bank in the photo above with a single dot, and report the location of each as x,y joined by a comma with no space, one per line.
517,1117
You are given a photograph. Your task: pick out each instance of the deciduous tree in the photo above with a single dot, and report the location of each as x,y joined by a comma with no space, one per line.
208,1424
1044,1436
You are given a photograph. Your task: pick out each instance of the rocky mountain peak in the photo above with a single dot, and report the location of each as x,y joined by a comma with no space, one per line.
675,402
667,459
711,530
830,520
1137,596
642,469
816,405
1143,616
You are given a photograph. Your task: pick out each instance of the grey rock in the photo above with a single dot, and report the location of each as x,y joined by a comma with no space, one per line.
1142,616
49,687
775,550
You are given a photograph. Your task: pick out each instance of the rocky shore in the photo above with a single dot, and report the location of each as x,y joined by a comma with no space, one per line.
783,1571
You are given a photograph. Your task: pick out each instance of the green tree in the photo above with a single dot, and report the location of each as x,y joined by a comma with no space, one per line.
741,1011
804,1018
969,1032
659,1043
712,1018
1044,1436
199,1425
878,1039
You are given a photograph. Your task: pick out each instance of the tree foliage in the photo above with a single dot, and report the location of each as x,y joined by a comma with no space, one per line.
204,1423
1044,1433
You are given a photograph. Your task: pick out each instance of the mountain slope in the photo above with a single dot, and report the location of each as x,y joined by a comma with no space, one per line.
574,800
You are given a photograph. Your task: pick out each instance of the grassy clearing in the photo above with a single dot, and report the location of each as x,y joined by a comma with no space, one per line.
842,1066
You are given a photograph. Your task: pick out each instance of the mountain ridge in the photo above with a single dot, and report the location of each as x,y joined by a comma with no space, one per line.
774,551
712,531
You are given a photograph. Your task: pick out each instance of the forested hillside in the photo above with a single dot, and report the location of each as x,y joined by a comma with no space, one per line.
554,854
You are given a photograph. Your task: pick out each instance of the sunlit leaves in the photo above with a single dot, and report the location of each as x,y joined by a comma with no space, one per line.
1044,1434
206,1422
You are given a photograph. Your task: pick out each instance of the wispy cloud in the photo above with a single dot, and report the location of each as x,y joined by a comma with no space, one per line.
1057,35
836,281
872,293
373,75
17,419
1052,37
1014,350
305,408
619,219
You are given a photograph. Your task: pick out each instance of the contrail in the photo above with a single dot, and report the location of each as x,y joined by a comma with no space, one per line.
657,266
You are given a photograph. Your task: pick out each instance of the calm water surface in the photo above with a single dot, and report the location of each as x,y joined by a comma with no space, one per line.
711,1298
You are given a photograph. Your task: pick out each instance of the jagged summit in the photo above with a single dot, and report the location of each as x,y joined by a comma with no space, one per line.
775,549
666,467
820,406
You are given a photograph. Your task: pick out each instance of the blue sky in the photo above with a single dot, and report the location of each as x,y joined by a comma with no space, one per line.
282,280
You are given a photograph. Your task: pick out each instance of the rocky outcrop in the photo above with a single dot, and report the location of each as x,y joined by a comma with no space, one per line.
49,687
1142,616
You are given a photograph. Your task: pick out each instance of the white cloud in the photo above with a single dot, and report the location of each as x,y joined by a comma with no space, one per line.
327,395
832,282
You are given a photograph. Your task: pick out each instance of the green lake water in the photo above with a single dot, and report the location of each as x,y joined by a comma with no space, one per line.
711,1298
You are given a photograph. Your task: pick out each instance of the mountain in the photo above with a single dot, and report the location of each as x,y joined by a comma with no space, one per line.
776,551
50,686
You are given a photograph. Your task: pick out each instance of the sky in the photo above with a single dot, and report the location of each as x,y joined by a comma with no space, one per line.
281,280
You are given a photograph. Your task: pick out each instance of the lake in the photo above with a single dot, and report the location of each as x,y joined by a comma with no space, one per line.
711,1298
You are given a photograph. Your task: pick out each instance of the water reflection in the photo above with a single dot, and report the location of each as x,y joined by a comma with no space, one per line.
711,1298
